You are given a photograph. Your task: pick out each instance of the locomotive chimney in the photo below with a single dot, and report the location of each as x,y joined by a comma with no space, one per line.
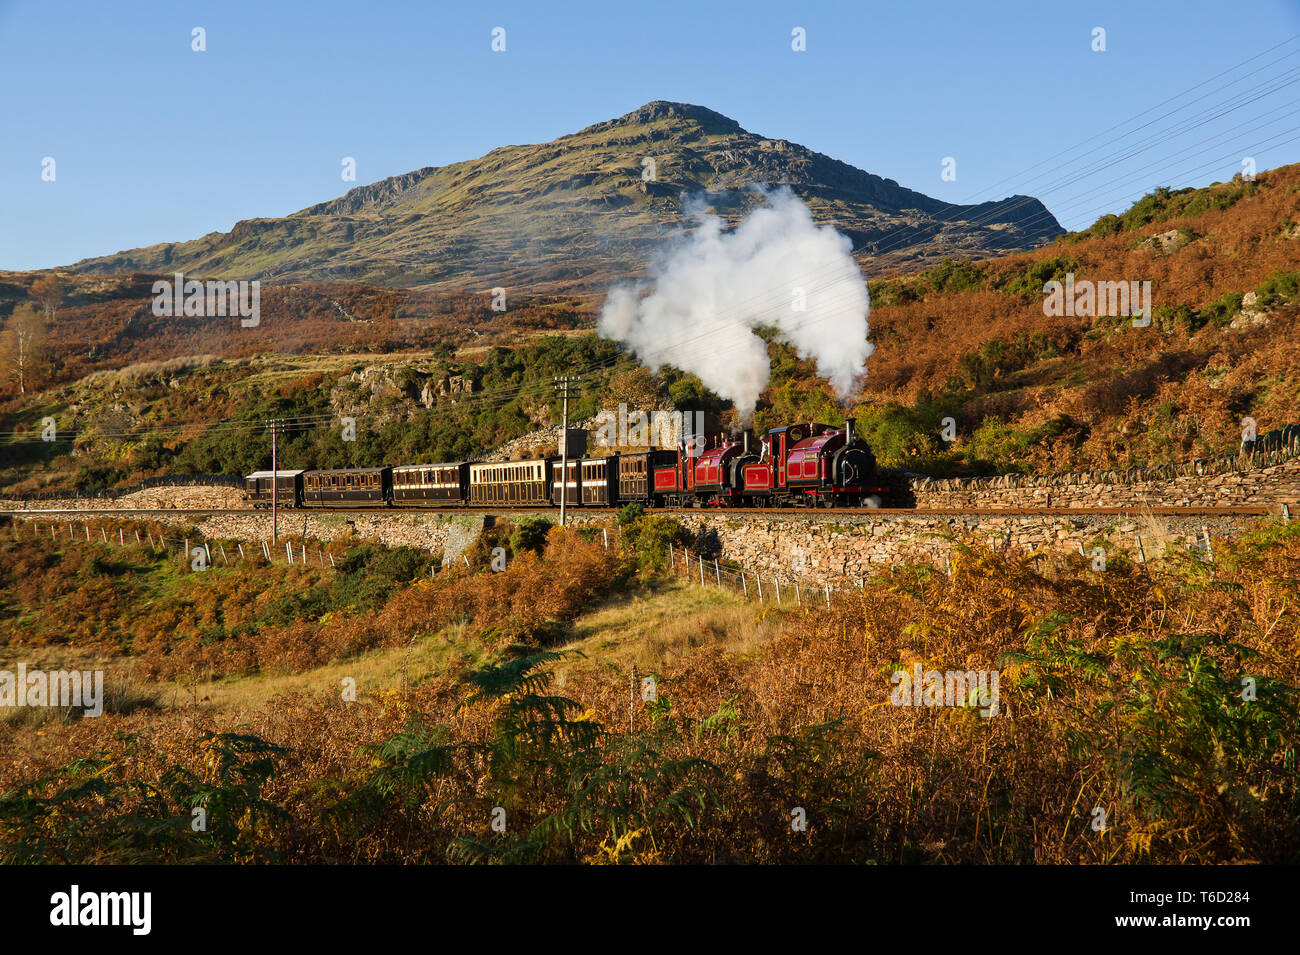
848,430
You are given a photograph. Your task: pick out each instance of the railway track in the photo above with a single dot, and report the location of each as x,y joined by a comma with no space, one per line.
1136,510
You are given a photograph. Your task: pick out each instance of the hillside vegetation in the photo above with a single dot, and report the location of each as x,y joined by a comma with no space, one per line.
445,378
1145,714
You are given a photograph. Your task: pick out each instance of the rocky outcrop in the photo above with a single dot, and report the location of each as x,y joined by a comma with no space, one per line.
450,387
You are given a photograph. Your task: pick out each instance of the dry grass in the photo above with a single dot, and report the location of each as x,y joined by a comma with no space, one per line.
658,625
374,671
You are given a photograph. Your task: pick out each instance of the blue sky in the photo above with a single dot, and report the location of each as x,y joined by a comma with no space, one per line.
155,142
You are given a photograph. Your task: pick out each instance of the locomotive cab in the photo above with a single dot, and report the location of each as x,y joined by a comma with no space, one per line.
719,472
815,465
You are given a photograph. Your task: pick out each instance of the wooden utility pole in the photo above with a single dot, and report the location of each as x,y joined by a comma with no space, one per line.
275,482
566,386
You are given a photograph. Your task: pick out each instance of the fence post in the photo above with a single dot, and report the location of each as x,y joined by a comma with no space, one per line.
241,550
288,551
223,554
1142,554
604,532
701,570
798,597
717,574
759,578
744,584
1209,551
777,580
672,560
631,700
828,596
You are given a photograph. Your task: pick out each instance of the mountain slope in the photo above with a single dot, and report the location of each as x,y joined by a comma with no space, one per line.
576,212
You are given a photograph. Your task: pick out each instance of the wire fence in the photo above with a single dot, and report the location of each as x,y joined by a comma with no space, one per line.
753,584
197,550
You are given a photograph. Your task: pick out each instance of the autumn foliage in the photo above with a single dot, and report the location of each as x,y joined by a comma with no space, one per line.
1159,699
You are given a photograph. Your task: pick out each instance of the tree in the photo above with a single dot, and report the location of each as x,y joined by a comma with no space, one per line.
47,292
22,343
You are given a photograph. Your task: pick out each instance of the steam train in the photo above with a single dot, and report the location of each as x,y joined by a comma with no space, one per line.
799,465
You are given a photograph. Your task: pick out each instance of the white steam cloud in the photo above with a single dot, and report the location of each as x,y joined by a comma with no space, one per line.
710,289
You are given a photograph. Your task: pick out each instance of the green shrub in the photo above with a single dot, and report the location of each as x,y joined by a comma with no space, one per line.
530,534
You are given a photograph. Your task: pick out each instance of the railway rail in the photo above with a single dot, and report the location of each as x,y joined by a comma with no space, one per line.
820,513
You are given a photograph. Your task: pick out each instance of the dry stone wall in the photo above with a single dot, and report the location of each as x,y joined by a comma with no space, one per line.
1266,472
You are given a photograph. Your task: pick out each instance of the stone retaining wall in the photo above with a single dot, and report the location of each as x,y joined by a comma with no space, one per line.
806,547
833,550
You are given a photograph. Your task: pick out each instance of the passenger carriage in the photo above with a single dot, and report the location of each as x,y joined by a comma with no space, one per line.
348,487
431,483
511,483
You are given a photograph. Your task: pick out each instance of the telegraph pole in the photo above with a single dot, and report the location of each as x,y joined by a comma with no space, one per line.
566,386
275,483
